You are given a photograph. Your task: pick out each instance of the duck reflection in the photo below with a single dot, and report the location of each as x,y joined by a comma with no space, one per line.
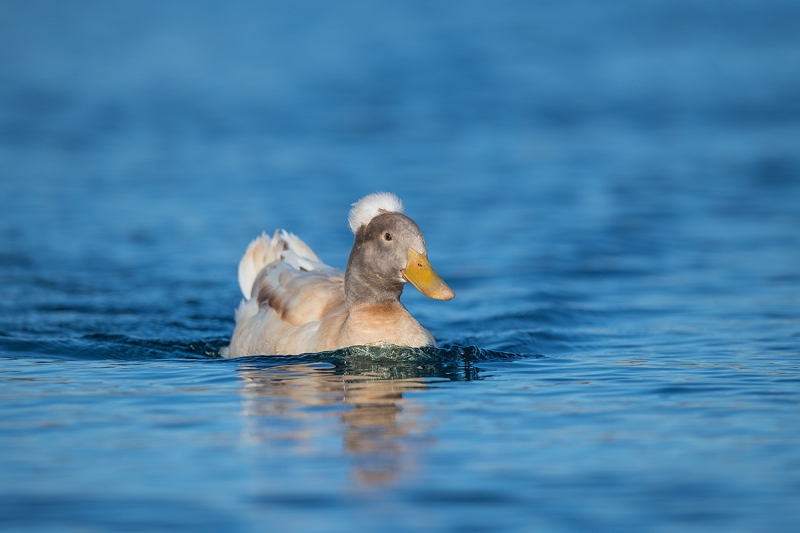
361,404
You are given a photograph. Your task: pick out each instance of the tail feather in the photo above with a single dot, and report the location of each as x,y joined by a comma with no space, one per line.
261,252
264,251
300,248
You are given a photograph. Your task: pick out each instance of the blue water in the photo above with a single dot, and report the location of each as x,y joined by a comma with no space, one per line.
611,189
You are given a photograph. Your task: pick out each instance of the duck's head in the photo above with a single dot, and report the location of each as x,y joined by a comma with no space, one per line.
389,250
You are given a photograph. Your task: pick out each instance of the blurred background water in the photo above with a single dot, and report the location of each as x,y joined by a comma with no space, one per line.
611,188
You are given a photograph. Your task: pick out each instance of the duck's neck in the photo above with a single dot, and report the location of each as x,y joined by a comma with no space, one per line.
361,288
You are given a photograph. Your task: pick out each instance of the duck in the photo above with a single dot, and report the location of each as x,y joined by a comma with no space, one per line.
296,304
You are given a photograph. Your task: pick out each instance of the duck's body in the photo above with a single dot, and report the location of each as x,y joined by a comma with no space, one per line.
296,304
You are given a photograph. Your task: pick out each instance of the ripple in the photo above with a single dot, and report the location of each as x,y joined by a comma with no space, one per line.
457,363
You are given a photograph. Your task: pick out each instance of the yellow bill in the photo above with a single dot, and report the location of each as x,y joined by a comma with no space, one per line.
420,273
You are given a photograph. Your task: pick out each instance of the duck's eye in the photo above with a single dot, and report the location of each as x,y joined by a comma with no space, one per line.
387,236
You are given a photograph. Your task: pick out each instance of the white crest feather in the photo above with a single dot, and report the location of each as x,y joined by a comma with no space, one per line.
371,206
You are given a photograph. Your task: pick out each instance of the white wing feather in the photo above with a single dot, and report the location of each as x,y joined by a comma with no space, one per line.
264,251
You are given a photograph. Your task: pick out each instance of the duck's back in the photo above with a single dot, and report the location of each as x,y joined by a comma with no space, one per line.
295,303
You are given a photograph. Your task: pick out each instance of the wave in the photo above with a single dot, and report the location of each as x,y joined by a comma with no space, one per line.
451,362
